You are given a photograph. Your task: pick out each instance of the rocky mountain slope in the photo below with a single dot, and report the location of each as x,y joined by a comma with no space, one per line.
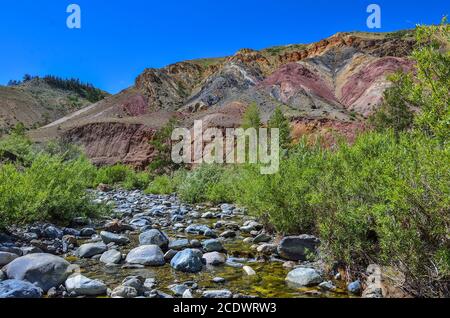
36,103
335,83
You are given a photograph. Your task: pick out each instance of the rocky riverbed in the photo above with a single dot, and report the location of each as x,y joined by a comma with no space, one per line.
156,247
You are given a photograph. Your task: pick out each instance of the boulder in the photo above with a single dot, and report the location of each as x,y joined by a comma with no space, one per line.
355,288
212,245
224,293
43,270
297,248
83,286
87,232
147,255
52,232
215,258
154,237
197,229
19,289
91,249
6,258
188,260
249,271
109,237
304,277
124,292
111,257
262,238
179,244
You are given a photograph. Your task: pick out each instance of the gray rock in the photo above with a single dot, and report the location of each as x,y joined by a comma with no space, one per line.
218,280
111,257
169,255
137,282
19,289
149,284
215,258
228,234
224,293
91,249
124,292
148,255
2,276
154,237
327,286
249,271
43,270
355,288
212,245
262,238
267,249
53,232
297,248
179,244
109,237
187,294
304,277
188,260
83,286
6,258
197,229
178,290
87,232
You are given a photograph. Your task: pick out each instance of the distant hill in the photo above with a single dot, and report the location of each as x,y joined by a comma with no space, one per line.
331,85
36,101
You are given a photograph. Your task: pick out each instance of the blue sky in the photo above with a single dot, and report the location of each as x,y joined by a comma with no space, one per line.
119,39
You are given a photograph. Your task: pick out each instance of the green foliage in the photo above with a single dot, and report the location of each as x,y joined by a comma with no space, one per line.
395,112
16,148
427,89
162,143
112,175
87,91
251,118
386,201
166,184
280,121
224,191
50,190
136,181
284,199
195,185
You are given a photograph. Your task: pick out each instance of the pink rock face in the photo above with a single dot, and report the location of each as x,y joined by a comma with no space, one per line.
294,77
111,143
135,106
358,84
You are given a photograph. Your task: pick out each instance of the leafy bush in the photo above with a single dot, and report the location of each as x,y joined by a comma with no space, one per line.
113,174
166,184
136,180
194,187
49,190
388,202
283,199
17,148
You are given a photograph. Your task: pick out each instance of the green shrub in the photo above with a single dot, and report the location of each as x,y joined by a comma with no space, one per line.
166,184
19,147
194,187
49,190
224,191
283,199
113,174
136,180
388,202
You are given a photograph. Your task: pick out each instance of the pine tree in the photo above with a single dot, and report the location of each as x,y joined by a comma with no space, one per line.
278,120
251,118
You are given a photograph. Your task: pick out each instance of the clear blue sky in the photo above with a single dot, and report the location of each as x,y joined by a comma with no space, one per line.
119,39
